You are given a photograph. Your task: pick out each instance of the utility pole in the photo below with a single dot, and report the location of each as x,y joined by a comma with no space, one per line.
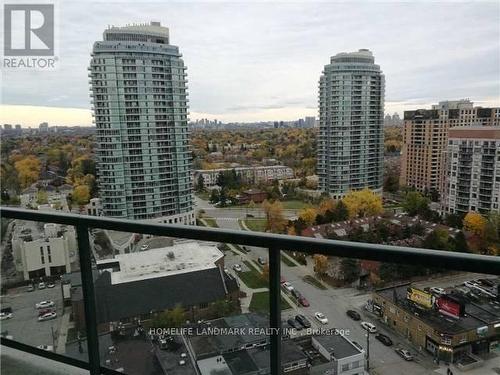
53,337
367,351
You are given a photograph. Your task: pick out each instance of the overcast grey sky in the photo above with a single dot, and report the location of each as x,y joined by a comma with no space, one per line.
262,61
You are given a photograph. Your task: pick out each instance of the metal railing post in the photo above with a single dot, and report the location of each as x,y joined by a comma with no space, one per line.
88,298
275,309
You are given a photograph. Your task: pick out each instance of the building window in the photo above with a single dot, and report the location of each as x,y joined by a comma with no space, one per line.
345,367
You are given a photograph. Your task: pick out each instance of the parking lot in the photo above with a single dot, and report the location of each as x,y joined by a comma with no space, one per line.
24,325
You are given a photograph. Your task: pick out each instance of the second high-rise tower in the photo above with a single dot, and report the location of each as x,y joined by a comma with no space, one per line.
351,134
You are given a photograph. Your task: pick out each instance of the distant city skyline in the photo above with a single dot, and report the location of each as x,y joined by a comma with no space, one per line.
266,67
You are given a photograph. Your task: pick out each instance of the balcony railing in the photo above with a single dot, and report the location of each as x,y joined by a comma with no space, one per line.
274,242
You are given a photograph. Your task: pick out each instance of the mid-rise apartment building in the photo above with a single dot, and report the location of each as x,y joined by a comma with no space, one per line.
139,96
351,120
425,138
249,175
471,178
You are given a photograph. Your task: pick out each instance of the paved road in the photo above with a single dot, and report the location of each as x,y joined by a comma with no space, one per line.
334,303
24,325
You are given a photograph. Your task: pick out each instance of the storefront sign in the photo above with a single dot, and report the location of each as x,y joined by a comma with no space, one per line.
448,307
420,297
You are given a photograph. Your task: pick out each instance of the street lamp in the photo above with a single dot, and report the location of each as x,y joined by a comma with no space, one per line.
368,351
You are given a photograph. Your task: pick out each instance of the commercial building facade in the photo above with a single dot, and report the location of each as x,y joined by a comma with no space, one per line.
425,138
449,327
471,178
351,116
139,96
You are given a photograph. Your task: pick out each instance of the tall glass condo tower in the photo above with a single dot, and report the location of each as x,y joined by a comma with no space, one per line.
351,118
139,97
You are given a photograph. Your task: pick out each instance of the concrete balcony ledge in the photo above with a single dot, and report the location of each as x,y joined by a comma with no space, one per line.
16,362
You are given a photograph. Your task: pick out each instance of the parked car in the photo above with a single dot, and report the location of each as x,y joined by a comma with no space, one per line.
405,354
296,293
303,301
144,247
44,304
48,348
47,316
44,311
294,324
5,315
386,340
438,291
303,321
487,282
471,284
237,267
261,261
320,317
369,327
282,280
41,285
30,288
51,285
354,315
287,286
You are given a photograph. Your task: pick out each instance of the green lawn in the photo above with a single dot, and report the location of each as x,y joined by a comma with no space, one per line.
257,225
211,222
260,303
295,205
288,262
313,281
252,278
205,195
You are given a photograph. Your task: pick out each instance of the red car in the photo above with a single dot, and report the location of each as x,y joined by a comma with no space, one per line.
44,311
282,280
303,301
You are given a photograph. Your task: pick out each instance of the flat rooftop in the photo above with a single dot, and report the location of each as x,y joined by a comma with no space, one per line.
477,314
337,345
165,261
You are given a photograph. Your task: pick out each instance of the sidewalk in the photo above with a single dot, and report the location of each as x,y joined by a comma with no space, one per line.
63,332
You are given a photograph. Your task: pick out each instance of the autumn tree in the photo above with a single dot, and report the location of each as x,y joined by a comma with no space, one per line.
326,205
308,215
170,319
363,203
42,197
350,269
276,222
214,196
28,170
81,195
320,264
340,212
475,223
415,203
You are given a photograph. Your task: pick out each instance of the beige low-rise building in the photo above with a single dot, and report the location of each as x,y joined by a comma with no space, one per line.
43,253
425,138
